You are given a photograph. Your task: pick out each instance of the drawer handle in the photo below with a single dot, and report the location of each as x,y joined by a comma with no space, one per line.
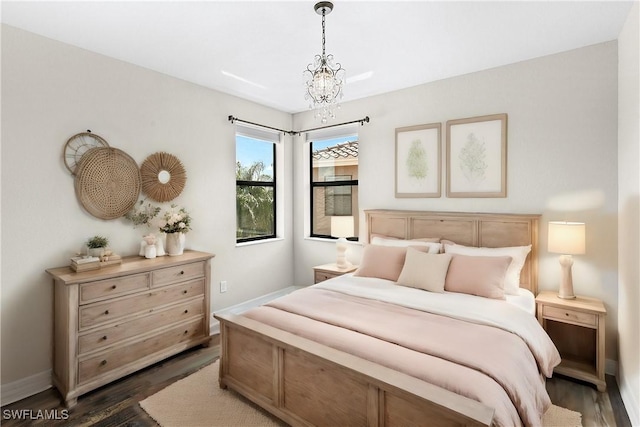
106,312
186,332
566,314
113,287
184,292
104,362
104,338
186,311
182,272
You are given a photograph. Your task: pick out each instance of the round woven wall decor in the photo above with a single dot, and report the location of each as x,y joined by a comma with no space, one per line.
163,176
107,182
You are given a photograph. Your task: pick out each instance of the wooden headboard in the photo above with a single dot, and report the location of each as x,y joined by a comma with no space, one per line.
469,229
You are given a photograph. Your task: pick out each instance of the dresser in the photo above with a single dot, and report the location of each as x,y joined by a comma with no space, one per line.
116,320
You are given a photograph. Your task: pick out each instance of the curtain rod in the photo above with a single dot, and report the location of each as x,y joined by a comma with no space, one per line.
298,132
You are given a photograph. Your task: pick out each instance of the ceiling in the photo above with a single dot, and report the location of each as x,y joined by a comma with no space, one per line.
257,50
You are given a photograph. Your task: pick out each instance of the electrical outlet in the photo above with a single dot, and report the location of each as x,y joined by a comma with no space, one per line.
223,286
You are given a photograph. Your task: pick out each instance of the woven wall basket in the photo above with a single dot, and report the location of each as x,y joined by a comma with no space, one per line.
151,168
107,182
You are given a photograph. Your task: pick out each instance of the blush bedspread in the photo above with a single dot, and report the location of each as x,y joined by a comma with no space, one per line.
483,349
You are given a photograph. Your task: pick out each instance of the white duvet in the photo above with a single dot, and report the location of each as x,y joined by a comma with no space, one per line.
506,315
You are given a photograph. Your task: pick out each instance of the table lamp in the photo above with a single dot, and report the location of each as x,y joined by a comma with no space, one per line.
342,227
567,239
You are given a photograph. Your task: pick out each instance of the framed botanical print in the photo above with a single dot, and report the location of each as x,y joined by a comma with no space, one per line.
477,156
418,160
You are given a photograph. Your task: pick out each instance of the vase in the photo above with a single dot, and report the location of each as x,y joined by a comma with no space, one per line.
150,251
160,248
175,244
97,252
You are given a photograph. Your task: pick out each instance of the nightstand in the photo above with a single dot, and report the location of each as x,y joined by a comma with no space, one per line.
328,271
577,328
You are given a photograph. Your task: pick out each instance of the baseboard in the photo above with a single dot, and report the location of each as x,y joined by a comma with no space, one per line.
611,367
214,328
630,402
20,389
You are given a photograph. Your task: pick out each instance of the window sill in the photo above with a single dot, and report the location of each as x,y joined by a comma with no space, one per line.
259,242
323,239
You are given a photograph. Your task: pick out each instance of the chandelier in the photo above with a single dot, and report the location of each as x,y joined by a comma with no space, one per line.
325,77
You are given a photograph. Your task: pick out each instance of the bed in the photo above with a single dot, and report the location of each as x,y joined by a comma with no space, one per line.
362,350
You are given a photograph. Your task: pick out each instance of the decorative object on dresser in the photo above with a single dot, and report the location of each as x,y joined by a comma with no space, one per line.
577,328
477,156
176,223
342,227
567,239
96,246
107,182
418,162
163,177
328,271
79,144
111,322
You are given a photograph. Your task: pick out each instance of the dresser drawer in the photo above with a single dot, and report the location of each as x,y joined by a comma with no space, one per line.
568,315
105,362
167,276
110,288
112,310
113,334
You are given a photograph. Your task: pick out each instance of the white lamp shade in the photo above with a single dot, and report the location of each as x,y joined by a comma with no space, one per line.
342,226
566,237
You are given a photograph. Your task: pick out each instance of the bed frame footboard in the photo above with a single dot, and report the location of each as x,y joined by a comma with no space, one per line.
309,384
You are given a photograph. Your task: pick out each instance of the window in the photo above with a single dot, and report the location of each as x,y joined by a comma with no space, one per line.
334,182
255,185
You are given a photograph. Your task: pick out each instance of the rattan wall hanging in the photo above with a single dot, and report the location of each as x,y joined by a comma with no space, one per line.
107,182
79,144
163,176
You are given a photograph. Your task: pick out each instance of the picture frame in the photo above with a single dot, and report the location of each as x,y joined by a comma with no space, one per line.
418,160
477,156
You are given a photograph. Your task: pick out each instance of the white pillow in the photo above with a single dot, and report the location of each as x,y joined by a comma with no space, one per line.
518,256
434,248
424,270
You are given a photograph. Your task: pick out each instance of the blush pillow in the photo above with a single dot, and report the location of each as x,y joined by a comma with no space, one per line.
518,256
477,275
424,270
433,247
383,262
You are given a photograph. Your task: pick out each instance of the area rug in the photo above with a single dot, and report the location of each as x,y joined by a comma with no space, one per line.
198,401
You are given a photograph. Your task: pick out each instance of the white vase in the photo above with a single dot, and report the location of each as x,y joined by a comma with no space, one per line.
175,244
150,251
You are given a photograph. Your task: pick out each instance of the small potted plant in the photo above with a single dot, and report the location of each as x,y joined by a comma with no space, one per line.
97,245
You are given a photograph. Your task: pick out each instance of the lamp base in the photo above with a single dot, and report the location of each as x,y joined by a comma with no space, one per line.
341,259
566,285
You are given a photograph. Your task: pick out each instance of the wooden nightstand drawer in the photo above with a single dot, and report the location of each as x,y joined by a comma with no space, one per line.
321,276
568,315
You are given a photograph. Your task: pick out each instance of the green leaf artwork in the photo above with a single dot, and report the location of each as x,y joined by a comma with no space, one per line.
417,166
472,159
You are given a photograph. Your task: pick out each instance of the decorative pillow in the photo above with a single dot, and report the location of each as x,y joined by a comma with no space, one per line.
477,275
518,255
424,270
433,247
383,262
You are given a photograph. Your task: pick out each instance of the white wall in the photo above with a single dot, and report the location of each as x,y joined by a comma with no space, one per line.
629,213
562,157
51,91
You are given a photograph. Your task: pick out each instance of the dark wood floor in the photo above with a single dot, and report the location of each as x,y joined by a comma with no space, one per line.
116,404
